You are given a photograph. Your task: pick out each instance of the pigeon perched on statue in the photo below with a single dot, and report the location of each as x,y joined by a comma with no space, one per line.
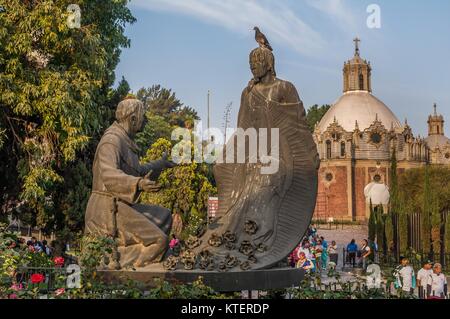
261,39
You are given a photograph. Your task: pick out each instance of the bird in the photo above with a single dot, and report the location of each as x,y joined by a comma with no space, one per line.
261,39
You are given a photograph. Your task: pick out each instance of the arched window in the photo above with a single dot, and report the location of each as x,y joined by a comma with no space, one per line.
342,149
361,82
328,149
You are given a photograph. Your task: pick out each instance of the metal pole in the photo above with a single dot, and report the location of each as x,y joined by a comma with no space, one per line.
209,93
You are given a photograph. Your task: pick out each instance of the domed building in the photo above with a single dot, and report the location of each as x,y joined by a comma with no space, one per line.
438,144
355,140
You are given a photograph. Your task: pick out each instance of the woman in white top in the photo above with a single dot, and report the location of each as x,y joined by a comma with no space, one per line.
437,283
422,278
333,252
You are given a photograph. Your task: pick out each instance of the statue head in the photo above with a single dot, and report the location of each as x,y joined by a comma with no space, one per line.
130,115
262,62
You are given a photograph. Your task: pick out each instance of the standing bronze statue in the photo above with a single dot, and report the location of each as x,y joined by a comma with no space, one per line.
141,231
264,217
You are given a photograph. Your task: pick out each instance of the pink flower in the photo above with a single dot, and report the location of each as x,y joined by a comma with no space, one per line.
173,243
60,291
16,287
59,261
12,296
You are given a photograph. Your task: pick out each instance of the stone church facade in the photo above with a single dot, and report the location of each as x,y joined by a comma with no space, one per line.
438,144
355,140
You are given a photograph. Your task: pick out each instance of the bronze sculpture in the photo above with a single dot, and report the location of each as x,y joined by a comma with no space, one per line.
118,178
264,217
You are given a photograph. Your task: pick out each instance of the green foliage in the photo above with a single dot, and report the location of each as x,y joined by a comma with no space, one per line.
185,188
95,251
447,233
194,290
313,288
427,191
56,96
425,216
157,127
403,231
380,226
15,256
372,224
315,114
165,112
389,230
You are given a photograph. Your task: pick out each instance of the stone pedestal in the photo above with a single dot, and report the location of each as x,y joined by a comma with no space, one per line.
277,278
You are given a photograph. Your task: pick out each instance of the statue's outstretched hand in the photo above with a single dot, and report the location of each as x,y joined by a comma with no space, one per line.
167,163
147,185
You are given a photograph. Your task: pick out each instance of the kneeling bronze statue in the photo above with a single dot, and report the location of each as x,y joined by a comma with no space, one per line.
141,231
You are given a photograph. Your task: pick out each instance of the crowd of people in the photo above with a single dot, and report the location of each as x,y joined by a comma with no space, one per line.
40,246
360,256
430,282
34,245
314,253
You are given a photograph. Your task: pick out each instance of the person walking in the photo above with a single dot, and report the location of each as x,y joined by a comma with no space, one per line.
422,278
366,253
333,252
352,248
324,261
437,283
318,249
405,277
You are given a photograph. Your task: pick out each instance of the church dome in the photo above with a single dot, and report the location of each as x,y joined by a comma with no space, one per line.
359,106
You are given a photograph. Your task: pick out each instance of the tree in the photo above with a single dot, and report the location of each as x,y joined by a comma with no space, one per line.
447,233
55,82
372,223
426,190
185,188
164,113
389,232
426,213
315,114
394,203
380,227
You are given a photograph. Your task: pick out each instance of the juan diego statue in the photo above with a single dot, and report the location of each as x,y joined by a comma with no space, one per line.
141,231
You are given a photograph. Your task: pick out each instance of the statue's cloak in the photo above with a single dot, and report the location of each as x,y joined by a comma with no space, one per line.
281,204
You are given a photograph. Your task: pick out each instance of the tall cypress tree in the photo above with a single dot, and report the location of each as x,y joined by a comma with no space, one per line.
426,214
394,204
372,224
380,228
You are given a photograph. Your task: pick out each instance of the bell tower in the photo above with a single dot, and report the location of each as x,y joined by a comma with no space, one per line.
435,123
357,72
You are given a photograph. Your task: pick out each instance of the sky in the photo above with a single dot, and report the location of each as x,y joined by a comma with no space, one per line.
192,46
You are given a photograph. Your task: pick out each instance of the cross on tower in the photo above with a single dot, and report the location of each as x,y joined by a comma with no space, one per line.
356,40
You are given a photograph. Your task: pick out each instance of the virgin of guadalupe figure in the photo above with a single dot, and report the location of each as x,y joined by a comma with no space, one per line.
265,215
